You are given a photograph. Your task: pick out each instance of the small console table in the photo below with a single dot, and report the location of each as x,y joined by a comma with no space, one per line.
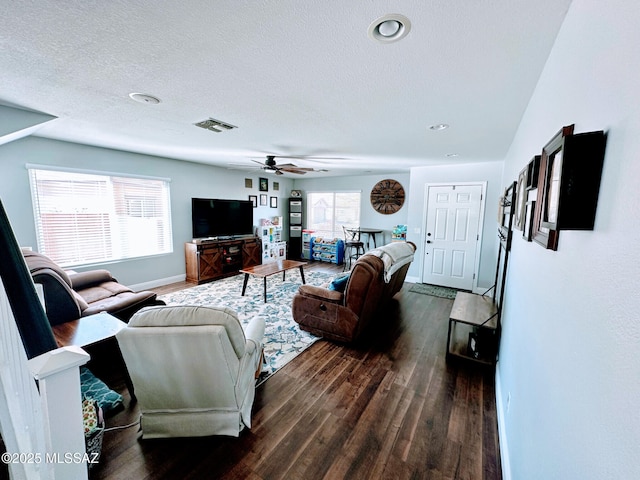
474,321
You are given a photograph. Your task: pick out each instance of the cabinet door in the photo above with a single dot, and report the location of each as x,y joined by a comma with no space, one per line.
250,253
209,263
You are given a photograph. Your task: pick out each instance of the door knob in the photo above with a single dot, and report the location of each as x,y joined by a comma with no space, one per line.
428,241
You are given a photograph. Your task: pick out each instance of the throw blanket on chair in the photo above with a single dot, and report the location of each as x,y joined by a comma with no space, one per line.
393,256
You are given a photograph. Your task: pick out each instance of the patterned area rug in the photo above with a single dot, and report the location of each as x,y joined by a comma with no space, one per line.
434,290
284,339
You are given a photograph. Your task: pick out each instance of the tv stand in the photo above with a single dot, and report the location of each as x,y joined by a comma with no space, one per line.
208,259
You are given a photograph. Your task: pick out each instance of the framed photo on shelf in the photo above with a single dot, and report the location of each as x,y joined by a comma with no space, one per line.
264,184
254,200
263,199
273,202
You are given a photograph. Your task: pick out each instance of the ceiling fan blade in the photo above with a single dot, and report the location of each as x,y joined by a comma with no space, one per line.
293,170
291,165
270,164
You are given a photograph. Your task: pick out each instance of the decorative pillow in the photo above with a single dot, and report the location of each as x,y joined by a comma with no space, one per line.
339,283
92,387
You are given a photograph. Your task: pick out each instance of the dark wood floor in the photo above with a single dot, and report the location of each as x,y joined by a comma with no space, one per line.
387,408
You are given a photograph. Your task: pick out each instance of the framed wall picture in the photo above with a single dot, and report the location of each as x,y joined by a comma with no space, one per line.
248,183
264,184
521,199
276,186
263,199
545,231
527,229
273,202
533,171
254,200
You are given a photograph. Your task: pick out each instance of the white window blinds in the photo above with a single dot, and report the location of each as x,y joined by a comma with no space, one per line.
86,218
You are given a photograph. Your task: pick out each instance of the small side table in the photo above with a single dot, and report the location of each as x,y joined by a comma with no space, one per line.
92,330
473,324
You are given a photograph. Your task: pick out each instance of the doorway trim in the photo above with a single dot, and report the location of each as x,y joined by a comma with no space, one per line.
423,230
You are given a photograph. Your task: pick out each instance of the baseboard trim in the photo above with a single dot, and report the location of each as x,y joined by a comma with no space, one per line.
412,279
502,432
157,283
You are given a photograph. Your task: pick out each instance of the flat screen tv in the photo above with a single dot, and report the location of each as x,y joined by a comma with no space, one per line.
221,218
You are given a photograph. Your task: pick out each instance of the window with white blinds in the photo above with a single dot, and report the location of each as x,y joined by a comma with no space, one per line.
84,218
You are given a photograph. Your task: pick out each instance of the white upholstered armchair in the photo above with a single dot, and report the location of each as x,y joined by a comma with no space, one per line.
193,369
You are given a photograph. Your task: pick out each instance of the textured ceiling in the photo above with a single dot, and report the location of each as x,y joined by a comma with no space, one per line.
295,77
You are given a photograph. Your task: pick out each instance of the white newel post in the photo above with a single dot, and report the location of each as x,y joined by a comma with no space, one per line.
58,378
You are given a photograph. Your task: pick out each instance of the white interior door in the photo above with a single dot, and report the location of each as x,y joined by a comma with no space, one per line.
451,237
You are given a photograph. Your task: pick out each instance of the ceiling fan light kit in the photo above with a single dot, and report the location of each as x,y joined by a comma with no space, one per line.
270,165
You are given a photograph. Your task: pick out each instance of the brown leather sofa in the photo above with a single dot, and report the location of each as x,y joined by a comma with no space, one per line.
69,296
342,316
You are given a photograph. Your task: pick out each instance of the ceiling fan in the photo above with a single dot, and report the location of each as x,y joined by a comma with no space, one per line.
270,164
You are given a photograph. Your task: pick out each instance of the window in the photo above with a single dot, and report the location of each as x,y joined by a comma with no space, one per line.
84,217
327,212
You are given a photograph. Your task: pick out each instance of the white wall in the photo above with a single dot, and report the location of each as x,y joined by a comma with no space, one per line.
489,172
187,180
570,350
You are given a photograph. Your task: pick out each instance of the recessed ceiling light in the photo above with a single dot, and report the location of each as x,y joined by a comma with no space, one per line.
389,28
438,126
144,98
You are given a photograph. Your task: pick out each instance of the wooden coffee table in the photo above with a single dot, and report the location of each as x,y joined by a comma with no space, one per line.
268,269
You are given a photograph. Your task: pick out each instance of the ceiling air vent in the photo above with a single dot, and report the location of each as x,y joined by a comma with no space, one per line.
215,125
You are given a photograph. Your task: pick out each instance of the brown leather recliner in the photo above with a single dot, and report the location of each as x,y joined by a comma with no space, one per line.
69,296
374,279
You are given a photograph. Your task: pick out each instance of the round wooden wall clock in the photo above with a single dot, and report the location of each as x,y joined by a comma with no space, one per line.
387,196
